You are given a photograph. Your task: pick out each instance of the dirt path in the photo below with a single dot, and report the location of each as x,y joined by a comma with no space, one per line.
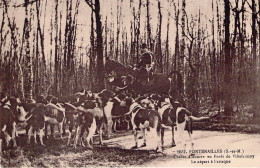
243,149
117,152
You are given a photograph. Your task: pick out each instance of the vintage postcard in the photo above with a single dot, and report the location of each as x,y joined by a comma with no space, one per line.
129,83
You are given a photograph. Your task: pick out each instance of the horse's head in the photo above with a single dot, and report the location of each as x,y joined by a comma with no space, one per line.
114,69
112,66
117,74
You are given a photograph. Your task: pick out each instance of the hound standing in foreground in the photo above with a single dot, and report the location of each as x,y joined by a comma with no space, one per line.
173,115
143,118
90,119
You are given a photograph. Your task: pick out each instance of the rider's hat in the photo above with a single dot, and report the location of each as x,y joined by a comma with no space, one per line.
143,46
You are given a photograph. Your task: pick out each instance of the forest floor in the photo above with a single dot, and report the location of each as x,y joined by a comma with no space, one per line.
117,152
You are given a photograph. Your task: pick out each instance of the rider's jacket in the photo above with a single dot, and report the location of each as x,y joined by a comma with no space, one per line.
146,60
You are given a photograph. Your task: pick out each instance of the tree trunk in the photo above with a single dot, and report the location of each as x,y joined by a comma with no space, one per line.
138,30
56,60
258,69
213,60
176,54
159,43
118,18
29,86
167,46
254,65
149,40
182,48
92,53
228,62
100,64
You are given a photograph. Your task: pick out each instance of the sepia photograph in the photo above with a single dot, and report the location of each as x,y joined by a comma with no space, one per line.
129,83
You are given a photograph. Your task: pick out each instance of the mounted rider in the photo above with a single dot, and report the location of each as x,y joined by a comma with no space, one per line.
146,64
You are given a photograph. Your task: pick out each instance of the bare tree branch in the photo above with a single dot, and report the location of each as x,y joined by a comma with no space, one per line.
24,4
90,4
249,4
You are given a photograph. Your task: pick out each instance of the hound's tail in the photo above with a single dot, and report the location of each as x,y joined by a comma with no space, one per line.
193,118
198,118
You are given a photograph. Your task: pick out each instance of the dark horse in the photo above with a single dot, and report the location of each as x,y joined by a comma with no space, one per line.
126,78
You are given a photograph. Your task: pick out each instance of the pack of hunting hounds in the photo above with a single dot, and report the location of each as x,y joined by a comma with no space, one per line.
86,114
